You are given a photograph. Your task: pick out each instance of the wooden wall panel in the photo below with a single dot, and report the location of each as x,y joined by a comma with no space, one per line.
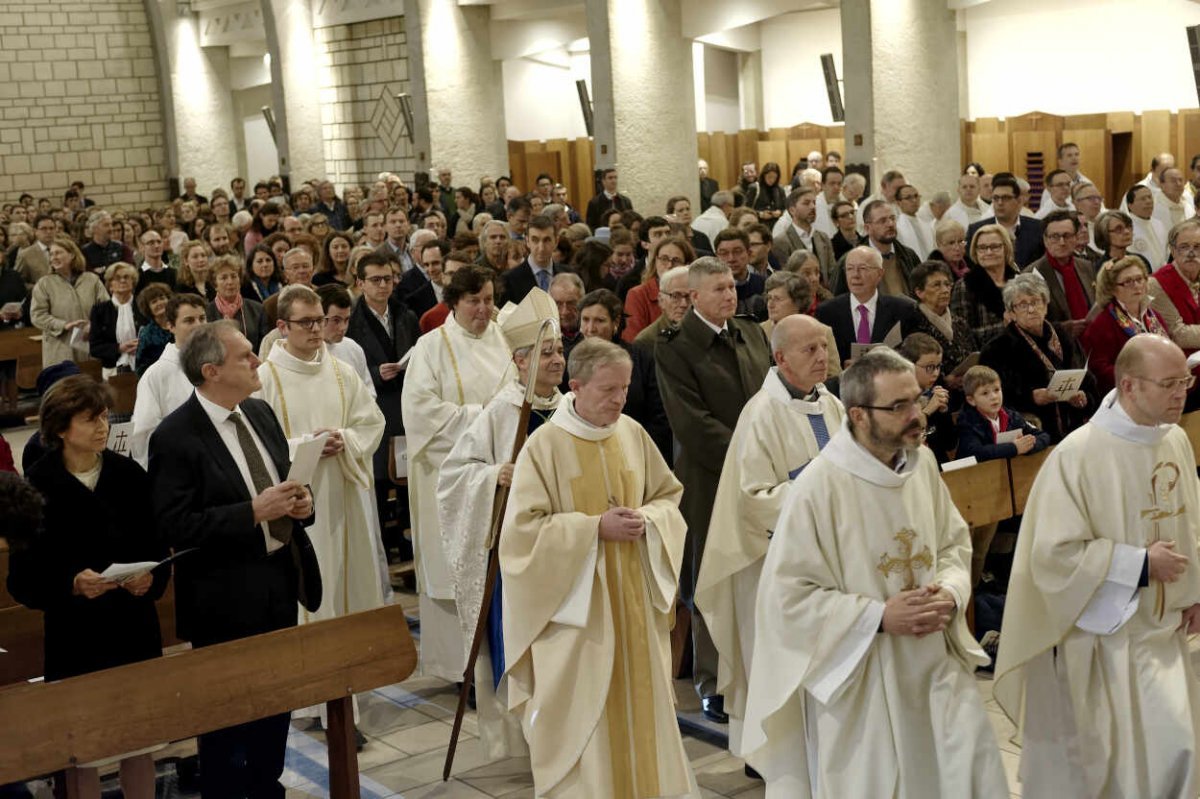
516,158
800,148
776,151
1095,153
1158,136
721,166
583,163
1188,135
747,148
1028,147
991,150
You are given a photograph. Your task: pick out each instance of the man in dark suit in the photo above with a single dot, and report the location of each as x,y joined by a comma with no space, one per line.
1026,233
708,187
540,267
879,217
217,465
801,234
420,287
863,315
386,330
607,201
1070,279
706,373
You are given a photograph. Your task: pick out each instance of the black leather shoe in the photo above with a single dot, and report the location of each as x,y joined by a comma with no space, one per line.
714,709
360,740
751,773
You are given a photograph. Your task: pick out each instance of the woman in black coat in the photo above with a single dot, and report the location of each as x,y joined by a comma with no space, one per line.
95,516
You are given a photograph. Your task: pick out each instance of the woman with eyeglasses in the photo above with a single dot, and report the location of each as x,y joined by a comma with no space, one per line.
846,237
950,241
1122,311
641,303
1114,235
978,297
1028,353
933,284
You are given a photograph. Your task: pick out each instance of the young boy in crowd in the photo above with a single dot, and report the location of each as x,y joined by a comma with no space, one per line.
925,352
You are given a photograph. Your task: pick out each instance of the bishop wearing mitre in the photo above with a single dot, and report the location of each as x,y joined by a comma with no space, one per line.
590,553
861,683
783,427
1093,664
478,466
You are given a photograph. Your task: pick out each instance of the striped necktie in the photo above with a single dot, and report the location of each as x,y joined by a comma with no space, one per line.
819,428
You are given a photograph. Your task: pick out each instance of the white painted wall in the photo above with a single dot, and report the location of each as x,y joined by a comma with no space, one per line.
540,99
1114,55
793,84
722,111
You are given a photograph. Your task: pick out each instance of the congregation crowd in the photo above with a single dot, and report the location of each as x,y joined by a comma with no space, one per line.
696,365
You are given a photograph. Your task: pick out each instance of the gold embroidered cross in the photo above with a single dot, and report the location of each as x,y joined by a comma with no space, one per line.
906,560
1160,492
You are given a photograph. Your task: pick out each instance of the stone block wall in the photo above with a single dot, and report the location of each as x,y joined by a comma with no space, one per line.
363,66
79,100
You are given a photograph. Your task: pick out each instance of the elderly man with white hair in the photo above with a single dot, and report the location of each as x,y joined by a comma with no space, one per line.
716,217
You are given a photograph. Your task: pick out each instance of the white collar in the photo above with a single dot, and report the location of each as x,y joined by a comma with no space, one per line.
279,355
871,303
513,393
711,326
777,391
1112,418
566,418
146,267
217,413
848,455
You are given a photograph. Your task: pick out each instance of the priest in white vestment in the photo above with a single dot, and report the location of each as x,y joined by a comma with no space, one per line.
478,465
1093,664
861,683
454,371
1149,234
910,230
164,386
337,302
969,208
590,554
780,430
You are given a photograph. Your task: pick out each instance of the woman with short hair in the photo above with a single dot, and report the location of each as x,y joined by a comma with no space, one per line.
978,297
154,337
232,305
62,303
933,283
1122,311
114,334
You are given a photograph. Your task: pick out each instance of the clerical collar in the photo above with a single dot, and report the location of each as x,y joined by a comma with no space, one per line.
1112,418
795,393
570,421
844,451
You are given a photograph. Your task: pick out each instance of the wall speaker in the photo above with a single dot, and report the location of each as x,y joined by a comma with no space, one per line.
834,89
1193,36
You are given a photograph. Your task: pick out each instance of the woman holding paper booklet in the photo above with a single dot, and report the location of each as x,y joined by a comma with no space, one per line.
1122,311
95,518
1028,354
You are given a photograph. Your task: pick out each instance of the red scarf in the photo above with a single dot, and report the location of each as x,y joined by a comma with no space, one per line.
1003,417
1077,300
229,309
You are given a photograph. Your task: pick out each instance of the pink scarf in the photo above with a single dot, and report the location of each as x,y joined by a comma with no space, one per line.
229,308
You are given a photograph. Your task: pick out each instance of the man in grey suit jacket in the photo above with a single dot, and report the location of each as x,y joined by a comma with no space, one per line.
800,234
33,262
1070,279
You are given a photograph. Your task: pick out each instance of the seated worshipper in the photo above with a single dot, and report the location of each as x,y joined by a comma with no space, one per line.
1172,287
788,293
1094,665
313,393
781,429
454,371
232,305
480,463
984,418
164,387
1149,234
977,297
1028,353
863,315
61,302
674,301
195,274
642,302
95,515
887,668
590,553
732,247
113,338
1122,312
1114,235
927,356
1071,281
933,283
263,276
600,317
950,240
154,337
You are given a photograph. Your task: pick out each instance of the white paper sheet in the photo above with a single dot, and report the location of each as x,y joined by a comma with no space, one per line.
306,457
961,463
1065,382
1009,436
121,572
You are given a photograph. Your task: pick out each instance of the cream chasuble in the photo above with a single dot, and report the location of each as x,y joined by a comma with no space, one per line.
466,499
1093,669
586,621
451,375
326,394
835,708
772,443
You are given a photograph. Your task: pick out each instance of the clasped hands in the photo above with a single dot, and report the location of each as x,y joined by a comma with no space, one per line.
622,524
288,498
918,612
89,584
334,444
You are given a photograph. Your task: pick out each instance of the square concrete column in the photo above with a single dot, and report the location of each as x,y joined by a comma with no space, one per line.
294,88
900,59
642,93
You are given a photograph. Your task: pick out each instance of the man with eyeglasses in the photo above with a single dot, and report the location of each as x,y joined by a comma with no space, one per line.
910,230
337,302
1068,156
1089,205
312,394
846,238
801,233
1070,279
1105,594
1057,194
421,288
1006,206
863,314
297,271
33,262
886,626
970,207
898,260
1174,289
155,268
831,192
674,301
1170,205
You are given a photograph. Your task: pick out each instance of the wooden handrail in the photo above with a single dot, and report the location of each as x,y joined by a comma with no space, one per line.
105,713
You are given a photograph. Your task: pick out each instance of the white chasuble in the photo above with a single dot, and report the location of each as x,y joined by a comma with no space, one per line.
451,375
587,621
1092,668
326,394
466,503
837,708
773,442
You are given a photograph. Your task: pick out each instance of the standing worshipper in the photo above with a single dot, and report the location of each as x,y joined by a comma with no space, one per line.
706,373
478,465
781,429
870,654
454,371
1094,663
590,551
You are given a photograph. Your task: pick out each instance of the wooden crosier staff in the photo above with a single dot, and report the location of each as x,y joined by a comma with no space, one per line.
493,541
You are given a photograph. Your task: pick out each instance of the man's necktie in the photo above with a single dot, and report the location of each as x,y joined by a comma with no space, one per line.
864,325
543,279
281,528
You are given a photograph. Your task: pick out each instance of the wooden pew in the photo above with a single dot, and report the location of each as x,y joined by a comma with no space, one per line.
182,695
1022,470
982,493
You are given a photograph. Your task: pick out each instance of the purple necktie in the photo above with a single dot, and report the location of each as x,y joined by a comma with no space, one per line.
864,325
